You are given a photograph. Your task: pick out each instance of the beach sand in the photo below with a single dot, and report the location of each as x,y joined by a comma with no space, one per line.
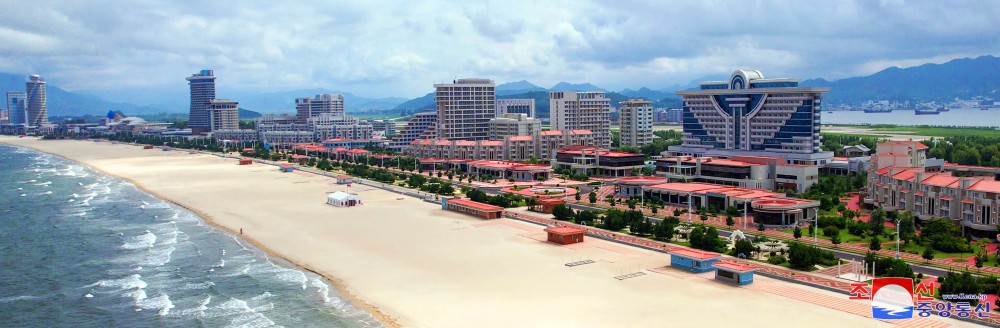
419,266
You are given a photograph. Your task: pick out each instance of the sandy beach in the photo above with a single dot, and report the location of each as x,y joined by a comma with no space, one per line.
420,266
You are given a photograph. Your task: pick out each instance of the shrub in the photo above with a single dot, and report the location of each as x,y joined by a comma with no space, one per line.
776,259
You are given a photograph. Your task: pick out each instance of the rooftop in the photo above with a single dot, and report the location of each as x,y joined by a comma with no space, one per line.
565,230
695,254
475,205
731,266
991,186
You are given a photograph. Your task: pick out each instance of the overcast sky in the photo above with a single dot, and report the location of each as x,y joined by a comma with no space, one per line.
383,48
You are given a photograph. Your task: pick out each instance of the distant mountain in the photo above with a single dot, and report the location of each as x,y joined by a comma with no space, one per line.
565,86
60,102
246,114
647,93
962,78
518,87
417,104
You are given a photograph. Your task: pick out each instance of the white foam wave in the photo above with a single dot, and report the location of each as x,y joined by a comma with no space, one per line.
197,286
145,240
46,193
161,303
46,183
245,316
131,282
158,257
199,310
19,298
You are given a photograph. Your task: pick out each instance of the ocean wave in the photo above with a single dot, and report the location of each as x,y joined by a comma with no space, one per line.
19,298
161,303
158,257
130,282
196,311
145,240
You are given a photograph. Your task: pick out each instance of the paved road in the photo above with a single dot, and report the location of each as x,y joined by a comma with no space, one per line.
849,256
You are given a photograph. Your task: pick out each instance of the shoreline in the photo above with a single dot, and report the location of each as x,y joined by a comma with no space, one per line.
342,288
410,263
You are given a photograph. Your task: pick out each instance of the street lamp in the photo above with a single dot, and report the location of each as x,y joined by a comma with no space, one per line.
897,237
689,208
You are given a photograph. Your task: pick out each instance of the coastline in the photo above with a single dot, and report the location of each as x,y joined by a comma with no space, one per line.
409,263
342,288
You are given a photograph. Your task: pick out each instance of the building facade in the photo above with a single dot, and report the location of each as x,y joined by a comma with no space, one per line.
511,148
35,102
464,108
582,111
901,178
595,161
332,104
423,125
749,114
202,87
636,122
17,107
223,114
770,173
514,125
516,106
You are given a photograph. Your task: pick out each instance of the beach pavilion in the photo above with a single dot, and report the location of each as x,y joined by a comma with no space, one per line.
693,260
565,235
485,211
734,273
344,179
343,199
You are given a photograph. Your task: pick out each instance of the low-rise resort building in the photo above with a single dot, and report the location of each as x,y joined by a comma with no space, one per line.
902,178
477,209
565,235
770,208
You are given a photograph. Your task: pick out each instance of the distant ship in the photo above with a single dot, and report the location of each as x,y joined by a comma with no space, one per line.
878,110
943,109
926,111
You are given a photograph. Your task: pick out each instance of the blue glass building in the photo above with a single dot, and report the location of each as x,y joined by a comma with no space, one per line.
751,115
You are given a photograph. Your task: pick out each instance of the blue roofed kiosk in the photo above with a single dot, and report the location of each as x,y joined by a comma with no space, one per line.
693,260
734,273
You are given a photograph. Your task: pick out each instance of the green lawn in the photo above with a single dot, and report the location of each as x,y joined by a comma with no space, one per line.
940,132
913,248
845,237
862,135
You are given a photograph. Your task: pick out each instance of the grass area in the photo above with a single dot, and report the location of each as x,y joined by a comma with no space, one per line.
862,135
913,248
940,132
845,237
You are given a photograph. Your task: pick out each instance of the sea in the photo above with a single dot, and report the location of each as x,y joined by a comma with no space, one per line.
83,249
959,117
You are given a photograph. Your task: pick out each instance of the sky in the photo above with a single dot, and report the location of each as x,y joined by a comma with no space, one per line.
401,48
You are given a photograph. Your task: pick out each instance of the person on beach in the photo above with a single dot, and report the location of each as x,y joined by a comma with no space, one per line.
241,231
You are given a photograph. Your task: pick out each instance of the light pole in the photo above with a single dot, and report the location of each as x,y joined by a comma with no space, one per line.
897,237
745,215
689,208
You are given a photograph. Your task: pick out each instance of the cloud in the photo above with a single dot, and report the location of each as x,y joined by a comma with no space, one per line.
401,48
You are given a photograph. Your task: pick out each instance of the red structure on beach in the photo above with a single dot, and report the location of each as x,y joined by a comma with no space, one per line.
485,211
246,161
565,235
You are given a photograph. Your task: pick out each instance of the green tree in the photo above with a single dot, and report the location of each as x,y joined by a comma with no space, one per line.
562,212
744,247
875,244
760,227
631,204
729,221
577,196
677,212
835,239
928,254
703,218
592,197
797,233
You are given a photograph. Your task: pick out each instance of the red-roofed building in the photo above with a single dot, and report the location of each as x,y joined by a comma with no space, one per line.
771,208
746,171
510,148
901,178
599,162
734,273
546,205
693,260
465,206
565,235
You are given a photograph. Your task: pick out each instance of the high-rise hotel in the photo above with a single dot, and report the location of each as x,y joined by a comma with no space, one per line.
582,111
37,112
751,115
202,91
465,108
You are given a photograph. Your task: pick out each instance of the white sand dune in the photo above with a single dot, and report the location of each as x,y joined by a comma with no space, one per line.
424,267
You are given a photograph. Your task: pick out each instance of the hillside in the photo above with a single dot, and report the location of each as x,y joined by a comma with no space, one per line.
961,78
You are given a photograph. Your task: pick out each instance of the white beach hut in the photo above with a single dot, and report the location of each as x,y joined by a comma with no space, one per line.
343,199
